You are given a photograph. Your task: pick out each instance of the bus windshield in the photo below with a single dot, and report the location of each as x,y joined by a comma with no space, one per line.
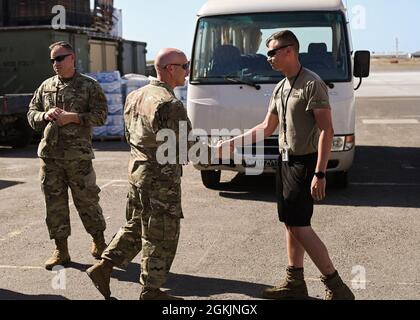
233,46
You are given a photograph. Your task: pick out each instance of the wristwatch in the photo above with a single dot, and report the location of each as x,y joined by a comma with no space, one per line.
320,175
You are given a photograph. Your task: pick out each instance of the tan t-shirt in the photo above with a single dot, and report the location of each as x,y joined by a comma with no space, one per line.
309,92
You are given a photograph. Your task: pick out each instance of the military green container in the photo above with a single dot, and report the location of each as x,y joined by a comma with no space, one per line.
132,57
3,10
37,13
24,56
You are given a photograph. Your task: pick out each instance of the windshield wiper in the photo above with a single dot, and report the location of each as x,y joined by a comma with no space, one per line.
242,81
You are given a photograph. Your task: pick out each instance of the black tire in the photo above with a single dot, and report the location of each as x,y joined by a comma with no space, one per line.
211,179
21,134
341,179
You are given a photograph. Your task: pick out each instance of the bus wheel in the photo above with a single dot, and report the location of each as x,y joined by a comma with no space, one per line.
211,179
341,179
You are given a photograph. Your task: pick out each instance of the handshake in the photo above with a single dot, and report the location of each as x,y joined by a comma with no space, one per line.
224,149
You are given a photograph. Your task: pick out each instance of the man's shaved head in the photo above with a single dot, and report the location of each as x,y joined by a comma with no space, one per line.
172,66
167,56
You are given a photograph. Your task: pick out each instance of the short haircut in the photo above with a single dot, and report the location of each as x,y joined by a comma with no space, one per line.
63,44
286,36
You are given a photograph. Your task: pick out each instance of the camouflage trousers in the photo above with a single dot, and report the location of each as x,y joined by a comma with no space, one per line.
149,229
57,176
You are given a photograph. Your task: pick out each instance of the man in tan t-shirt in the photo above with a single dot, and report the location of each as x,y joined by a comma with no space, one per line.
300,107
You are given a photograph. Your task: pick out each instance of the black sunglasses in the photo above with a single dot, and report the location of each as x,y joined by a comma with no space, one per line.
273,52
184,66
59,58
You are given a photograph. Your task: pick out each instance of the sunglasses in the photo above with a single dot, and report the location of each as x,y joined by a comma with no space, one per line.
184,66
59,58
273,52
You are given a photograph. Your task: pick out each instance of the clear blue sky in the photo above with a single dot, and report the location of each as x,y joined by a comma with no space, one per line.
170,23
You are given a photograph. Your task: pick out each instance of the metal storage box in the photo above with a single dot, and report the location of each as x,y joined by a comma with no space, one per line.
33,12
3,10
24,57
25,63
132,58
103,55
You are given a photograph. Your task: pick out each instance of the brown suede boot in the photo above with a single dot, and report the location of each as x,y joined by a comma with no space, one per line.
156,294
100,274
98,245
60,256
336,289
294,287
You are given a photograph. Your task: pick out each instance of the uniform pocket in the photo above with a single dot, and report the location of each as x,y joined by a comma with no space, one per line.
294,177
162,227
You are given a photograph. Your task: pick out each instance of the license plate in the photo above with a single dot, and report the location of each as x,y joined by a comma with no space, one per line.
271,163
266,163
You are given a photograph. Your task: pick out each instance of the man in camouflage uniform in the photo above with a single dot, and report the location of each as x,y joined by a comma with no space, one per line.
154,199
66,107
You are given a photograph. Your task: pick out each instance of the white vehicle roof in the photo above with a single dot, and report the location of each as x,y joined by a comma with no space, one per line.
221,7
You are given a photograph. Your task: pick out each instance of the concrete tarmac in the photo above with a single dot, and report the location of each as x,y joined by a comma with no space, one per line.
232,244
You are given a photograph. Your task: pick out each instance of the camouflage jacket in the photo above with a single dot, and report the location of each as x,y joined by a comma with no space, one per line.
147,111
82,95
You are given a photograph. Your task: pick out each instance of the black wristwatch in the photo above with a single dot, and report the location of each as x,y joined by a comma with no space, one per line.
320,175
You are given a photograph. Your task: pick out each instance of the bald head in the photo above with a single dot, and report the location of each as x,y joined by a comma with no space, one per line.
167,56
172,67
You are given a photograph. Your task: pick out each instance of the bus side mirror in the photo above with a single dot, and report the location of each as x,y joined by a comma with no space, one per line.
361,64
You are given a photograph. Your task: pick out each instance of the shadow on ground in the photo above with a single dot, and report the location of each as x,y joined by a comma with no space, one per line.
29,152
177,284
7,184
380,177
111,146
12,295
189,285
131,274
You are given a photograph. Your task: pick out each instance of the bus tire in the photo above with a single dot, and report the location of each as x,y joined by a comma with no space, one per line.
341,179
211,179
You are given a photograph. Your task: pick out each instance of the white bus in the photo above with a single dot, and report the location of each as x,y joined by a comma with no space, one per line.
231,81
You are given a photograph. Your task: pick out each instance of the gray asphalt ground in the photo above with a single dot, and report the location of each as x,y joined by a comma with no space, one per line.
232,245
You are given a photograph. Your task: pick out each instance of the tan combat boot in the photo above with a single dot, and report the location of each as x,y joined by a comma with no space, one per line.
336,289
98,245
60,256
294,287
100,274
156,294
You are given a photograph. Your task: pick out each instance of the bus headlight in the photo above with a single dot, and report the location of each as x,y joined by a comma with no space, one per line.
343,143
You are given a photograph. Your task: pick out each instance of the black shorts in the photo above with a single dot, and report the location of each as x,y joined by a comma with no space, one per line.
295,204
